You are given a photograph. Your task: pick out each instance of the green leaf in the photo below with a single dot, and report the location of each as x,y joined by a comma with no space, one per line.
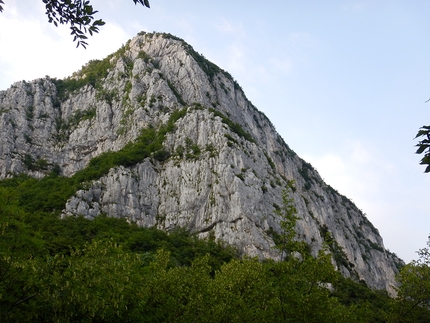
421,148
98,23
425,160
424,130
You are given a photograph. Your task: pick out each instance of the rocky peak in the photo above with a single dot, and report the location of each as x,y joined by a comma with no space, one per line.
184,147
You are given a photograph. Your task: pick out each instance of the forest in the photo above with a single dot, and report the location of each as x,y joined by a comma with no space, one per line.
108,270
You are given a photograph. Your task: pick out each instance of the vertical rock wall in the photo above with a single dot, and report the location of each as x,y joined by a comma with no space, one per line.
226,168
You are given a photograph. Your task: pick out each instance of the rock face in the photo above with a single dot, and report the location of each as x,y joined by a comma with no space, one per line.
221,170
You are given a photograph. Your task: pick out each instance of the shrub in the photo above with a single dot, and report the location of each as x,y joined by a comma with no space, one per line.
235,127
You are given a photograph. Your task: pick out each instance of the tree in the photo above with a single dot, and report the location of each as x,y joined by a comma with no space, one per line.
96,283
424,146
287,244
302,281
413,301
79,14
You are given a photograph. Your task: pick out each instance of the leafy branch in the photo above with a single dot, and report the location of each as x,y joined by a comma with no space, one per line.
79,14
424,146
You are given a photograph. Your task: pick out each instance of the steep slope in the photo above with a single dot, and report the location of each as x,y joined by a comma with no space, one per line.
183,147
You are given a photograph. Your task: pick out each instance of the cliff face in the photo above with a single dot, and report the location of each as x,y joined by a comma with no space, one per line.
222,167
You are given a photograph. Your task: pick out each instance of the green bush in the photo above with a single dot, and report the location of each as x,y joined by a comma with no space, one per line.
51,192
108,270
90,74
235,127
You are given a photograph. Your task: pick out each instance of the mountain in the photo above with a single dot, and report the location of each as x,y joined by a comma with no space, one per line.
161,136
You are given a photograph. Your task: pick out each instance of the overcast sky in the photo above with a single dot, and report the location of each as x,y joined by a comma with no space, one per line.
344,82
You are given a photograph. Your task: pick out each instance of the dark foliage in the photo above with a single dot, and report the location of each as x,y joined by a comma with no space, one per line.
79,14
91,74
424,146
108,270
235,127
50,193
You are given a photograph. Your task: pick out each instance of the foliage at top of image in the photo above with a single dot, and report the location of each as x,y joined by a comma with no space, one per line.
78,14
424,146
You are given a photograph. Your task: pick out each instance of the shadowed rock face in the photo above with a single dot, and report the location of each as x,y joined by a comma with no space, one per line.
222,169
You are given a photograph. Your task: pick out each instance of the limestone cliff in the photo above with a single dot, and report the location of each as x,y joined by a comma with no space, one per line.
221,168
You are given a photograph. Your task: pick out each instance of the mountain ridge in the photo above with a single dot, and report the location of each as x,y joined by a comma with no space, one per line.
217,166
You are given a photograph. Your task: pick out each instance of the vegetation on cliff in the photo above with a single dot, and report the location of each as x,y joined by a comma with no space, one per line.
107,270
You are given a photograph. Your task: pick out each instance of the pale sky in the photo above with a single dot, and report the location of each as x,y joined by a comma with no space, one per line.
344,82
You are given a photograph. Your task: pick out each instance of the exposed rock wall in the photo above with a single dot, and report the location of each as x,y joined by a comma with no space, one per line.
226,167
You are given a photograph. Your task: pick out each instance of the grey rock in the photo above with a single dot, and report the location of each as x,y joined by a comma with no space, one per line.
230,185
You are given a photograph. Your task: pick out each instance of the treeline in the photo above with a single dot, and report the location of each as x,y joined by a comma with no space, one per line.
107,270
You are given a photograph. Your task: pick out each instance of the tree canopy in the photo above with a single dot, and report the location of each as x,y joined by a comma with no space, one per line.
414,289
108,270
79,14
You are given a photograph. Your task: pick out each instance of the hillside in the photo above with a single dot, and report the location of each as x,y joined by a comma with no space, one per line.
157,134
